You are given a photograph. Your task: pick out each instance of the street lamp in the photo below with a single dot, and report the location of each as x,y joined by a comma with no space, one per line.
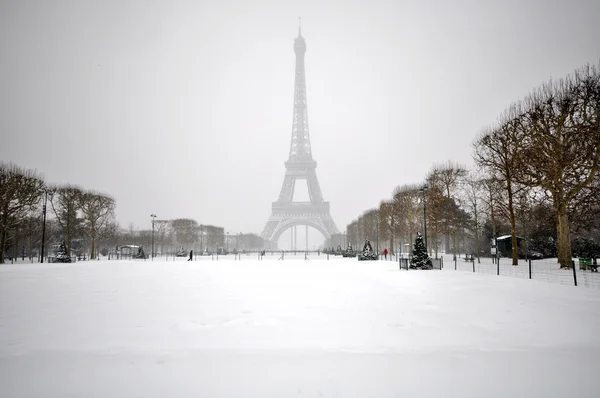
423,189
377,219
44,224
153,217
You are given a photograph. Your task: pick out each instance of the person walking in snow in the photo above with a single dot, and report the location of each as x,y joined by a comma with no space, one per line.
385,253
191,255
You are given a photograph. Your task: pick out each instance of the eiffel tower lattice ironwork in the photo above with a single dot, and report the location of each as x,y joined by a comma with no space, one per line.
300,165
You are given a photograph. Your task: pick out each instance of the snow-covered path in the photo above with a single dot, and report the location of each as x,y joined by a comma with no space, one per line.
255,329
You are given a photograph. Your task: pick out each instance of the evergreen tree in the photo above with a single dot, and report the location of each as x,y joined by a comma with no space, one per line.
140,253
61,254
420,258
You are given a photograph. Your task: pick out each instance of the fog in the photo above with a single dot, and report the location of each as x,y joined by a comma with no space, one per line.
184,109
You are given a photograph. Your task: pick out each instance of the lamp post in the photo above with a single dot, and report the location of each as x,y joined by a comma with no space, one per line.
44,225
377,233
201,237
423,189
153,217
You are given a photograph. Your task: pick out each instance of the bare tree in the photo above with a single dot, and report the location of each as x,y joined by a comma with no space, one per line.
66,201
498,152
161,234
561,127
407,211
474,190
20,191
185,231
98,214
215,236
386,223
352,231
447,177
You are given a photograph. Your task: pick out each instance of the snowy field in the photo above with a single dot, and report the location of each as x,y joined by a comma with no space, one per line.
250,328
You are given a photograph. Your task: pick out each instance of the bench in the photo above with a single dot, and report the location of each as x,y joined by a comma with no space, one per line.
469,258
588,263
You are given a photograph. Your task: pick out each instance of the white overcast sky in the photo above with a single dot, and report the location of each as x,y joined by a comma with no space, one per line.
184,108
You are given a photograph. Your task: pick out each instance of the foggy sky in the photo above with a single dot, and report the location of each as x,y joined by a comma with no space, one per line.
184,109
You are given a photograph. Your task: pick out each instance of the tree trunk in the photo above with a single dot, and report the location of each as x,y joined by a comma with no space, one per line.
477,248
513,224
2,245
93,251
392,237
564,236
68,238
16,245
454,242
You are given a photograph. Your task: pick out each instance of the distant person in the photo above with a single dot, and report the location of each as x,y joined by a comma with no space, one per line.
191,255
262,253
385,253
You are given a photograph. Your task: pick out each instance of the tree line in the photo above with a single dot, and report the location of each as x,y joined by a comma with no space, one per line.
33,211
25,200
536,177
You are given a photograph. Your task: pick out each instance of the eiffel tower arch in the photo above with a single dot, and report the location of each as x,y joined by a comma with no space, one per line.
286,213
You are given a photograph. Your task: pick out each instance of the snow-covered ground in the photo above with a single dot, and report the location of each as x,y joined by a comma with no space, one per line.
250,328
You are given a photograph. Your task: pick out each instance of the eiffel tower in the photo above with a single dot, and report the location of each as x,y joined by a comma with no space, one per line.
287,214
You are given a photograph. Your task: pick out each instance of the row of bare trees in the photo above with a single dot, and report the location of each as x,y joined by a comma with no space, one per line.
23,204
548,145
395,222
538,177
85,220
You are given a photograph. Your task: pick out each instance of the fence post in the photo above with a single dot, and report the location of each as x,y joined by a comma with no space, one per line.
574,273
529,268
454,263
473,260
498,268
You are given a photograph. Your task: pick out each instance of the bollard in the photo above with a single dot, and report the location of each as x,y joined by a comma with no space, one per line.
529,268
473,260
574,273
498,268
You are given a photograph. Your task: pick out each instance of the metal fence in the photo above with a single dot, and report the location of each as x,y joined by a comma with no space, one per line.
547,270
437,263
